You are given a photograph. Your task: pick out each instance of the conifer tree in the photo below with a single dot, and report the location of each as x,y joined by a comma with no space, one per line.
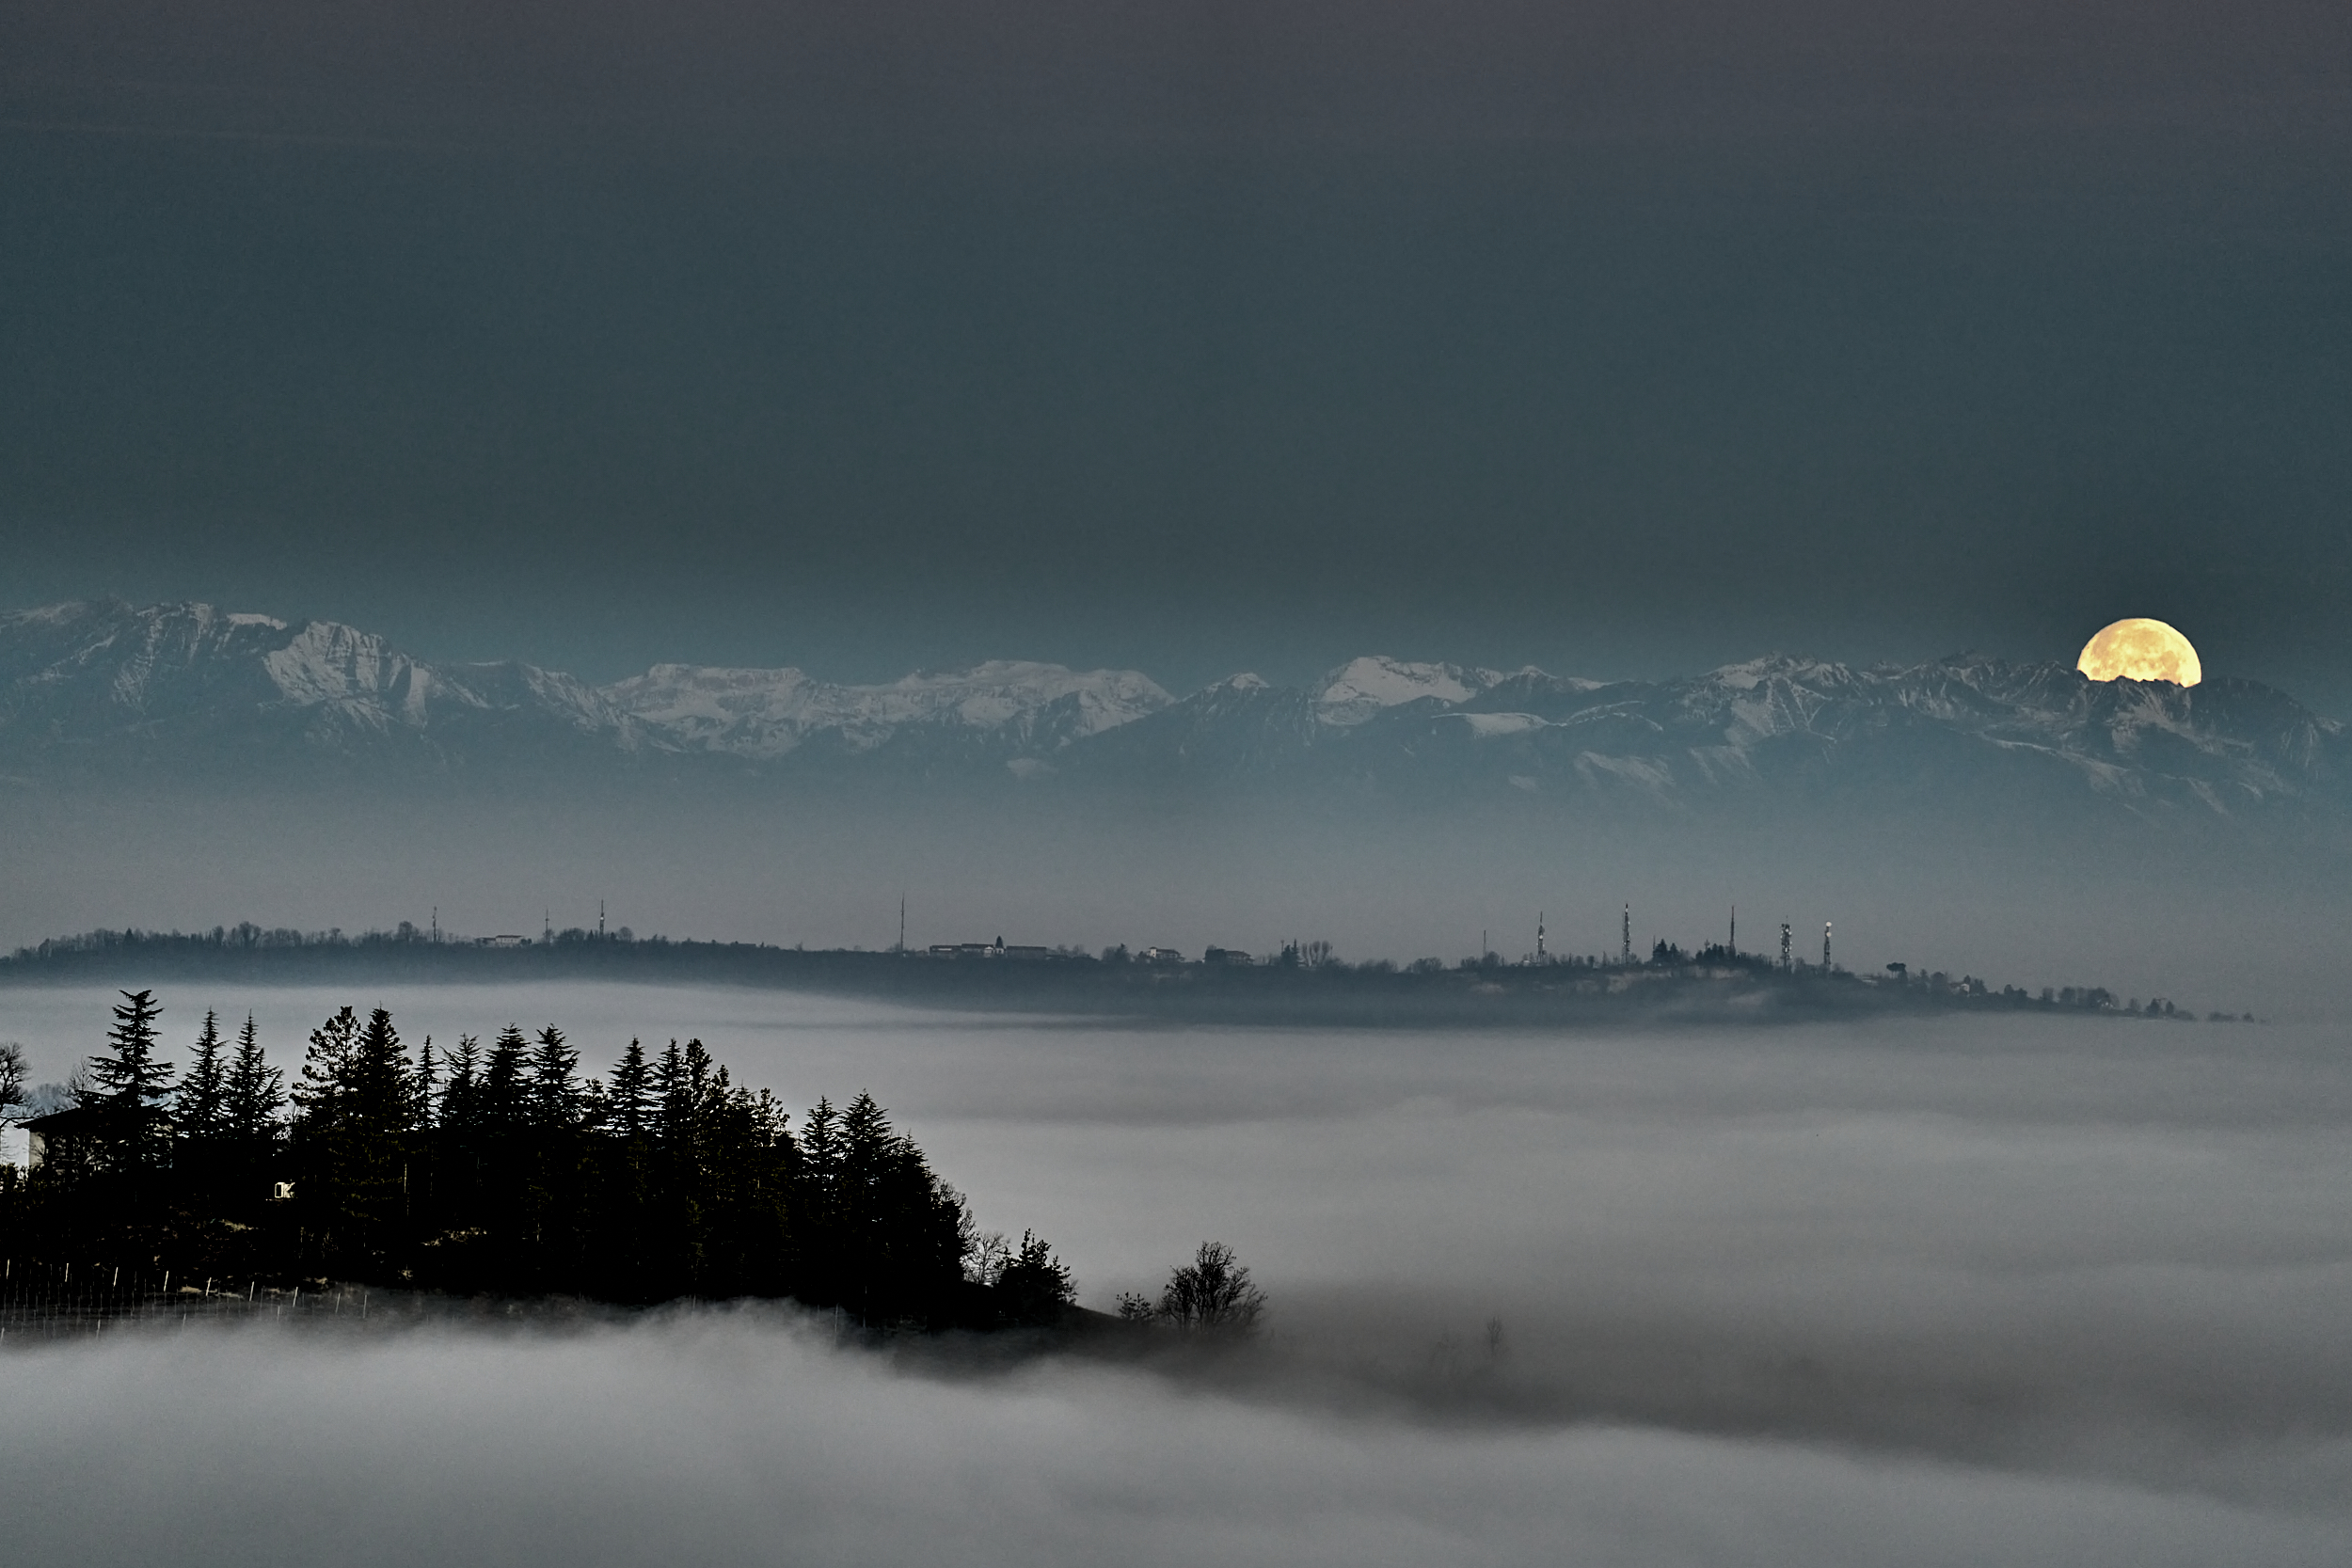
425,1087
1035,1284
351,1146
326,1068
126,1077
867,1141
505,1084
821,1153
672,1097
554,1096
632,1099
255,1091
202,1103
689,1091
460,1106
378,1097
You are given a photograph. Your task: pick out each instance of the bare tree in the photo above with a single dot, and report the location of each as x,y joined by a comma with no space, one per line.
985,1252
11,1081
1213,1293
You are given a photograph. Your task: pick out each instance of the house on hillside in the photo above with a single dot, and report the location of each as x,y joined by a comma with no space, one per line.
82,1137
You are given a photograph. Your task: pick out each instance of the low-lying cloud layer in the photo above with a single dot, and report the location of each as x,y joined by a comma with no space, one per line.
722,1438
1967,1290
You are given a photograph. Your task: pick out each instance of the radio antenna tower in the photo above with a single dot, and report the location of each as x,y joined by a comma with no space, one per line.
1825,947
599,920
1539,936
902,925
1785,962
1625,938
1735,930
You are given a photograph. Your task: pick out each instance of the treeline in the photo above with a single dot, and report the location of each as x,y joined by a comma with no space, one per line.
247,937
497,1168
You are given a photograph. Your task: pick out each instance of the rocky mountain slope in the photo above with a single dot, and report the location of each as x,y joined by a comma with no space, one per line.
106,682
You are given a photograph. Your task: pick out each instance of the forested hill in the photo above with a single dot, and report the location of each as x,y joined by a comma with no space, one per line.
1304,983
497,1168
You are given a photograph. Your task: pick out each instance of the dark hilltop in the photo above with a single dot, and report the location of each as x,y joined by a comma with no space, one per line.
1304,983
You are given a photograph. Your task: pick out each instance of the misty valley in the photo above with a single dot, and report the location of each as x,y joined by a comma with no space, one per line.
2079,1271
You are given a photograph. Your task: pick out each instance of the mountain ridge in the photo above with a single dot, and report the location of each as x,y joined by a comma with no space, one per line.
106,679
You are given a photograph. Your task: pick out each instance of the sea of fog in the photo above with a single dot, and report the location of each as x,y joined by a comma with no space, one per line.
1958,1291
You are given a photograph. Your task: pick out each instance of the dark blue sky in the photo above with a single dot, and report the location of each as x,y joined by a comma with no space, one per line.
1619,339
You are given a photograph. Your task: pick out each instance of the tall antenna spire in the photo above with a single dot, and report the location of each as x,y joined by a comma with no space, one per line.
1825,947
1784,960
1539,936
1735,930
1625,938
903,921
599,920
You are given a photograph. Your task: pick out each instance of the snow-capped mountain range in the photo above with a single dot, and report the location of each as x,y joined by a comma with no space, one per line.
111,684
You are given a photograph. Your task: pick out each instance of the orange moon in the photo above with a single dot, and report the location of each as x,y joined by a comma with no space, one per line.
2140,650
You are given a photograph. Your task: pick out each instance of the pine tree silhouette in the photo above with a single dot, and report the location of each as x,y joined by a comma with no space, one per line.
202,1102
554,1097
461,1095
424,1087
126,1077
326,1070
256,1091
632,1098
505,1088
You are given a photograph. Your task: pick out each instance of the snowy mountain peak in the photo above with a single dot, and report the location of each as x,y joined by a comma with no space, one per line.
1751,673
770,713
110,682
1364,688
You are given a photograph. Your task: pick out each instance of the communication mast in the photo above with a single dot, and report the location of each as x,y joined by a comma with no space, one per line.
1539,936
1625,938
1825,947
1785,962
1734,931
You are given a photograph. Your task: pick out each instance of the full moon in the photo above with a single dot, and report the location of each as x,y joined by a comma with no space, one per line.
2140,650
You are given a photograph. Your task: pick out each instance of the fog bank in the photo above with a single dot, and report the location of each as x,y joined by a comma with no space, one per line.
2108,1253
729,1438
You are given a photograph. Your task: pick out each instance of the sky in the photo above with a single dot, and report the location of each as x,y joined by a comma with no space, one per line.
1621,340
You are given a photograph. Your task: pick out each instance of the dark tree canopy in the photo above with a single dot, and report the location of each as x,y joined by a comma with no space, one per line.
504,1171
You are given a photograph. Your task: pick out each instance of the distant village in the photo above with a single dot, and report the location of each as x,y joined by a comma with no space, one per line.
1301,980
